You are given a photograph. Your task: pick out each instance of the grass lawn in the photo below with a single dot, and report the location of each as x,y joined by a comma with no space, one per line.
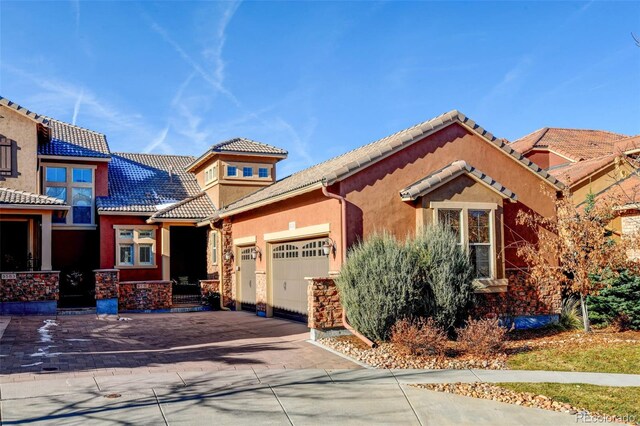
619,401
621,358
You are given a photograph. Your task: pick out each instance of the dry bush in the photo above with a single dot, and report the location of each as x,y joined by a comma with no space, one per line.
621,323
482,337
421,336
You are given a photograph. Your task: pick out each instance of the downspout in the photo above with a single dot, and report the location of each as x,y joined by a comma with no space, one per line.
343,249
222,307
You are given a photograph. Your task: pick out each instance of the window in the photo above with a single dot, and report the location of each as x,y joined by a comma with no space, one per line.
214,248
135,246
263,172
474,227
232,171
247,172
8,161
74,186
210,174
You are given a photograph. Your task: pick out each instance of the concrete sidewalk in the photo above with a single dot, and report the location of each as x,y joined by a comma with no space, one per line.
310,396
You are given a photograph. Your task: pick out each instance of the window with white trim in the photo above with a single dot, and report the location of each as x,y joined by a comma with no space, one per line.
211,174
214,248
474,224
135,245
75,186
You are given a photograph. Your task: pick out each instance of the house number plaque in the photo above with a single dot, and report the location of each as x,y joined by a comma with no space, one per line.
9,276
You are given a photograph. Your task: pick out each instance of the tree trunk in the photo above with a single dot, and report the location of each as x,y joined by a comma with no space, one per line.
585,314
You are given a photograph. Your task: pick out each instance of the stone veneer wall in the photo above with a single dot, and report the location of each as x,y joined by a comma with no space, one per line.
32,286
261,293
107,283
144,295
520,299
325,310
209,286
228,290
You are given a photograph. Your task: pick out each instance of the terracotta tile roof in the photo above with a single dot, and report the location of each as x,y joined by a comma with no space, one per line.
448,173
626,192
242,146
628,144
13,196
576,144
571,173
196,207
72,141
146,183
22,110
340,167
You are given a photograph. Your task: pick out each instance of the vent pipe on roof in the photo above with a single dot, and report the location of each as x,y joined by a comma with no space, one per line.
171,173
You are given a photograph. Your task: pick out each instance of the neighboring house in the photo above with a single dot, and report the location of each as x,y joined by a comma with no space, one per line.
448,170
591,162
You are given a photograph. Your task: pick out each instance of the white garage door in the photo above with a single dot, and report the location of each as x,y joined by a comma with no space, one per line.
291,263
247,280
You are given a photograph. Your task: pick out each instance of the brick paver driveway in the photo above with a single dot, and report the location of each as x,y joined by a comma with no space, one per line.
39,347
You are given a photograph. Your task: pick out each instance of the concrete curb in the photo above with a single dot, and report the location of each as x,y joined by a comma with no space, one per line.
341,355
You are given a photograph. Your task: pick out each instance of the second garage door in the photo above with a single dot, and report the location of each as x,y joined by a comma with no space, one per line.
291,263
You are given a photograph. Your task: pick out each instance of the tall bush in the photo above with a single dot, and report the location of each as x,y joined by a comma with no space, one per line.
620,298
447,273
380,284
385,280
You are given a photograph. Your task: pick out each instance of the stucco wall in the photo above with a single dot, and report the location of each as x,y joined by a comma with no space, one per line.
373,194
23,131
305,210
107,249
545,159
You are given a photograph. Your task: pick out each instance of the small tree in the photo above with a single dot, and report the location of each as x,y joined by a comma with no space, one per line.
576,245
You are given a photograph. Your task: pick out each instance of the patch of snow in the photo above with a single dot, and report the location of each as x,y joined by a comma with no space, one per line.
45,334
165,205
31,365
77,340
124,319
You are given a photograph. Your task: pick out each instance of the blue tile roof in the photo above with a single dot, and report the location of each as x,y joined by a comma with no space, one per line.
148,183
72,141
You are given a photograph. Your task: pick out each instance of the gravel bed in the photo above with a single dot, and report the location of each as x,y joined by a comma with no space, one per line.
384,356
525,399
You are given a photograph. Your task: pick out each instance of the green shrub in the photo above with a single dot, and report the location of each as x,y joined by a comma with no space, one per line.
620,298
448,274
570,315
385,280
380,284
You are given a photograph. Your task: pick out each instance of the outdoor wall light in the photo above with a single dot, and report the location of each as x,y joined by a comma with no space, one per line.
256,252
329,246
228,255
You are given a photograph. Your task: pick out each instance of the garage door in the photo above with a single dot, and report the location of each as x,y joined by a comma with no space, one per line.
247,280
291,263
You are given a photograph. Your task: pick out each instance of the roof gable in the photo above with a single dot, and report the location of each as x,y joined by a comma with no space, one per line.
24,111
440,177
13,196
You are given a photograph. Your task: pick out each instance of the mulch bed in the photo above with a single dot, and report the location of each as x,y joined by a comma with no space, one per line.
385,356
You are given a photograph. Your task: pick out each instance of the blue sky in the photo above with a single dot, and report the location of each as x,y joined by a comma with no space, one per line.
318,78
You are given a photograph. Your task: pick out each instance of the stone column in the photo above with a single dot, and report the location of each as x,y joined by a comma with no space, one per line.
325,310
262,308
107,282
227,266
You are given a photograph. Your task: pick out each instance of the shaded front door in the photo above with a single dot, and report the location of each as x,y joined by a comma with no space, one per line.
292,262
14,245
247,280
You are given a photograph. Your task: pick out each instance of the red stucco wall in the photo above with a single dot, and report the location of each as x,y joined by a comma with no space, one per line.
107,248
545,159
306,210
373,194
102,180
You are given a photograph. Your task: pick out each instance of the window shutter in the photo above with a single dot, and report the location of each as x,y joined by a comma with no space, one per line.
6,156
